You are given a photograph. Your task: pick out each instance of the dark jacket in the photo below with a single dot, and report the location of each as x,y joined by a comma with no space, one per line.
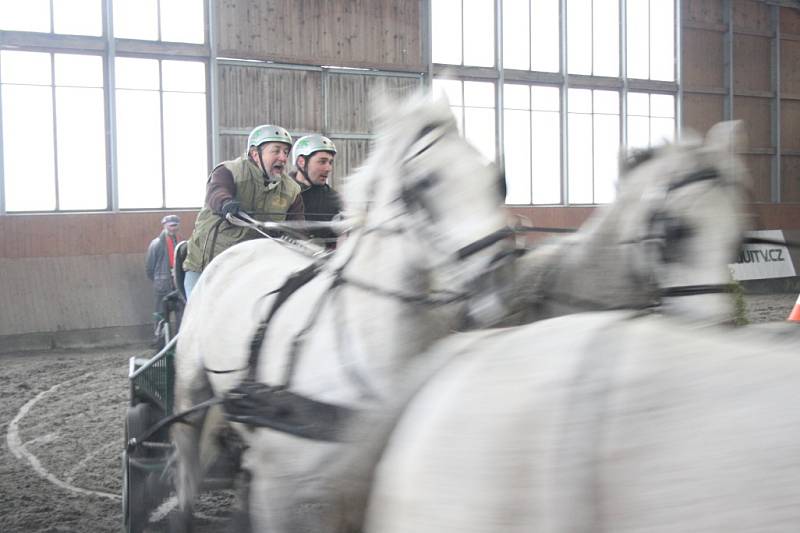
321,204
157,263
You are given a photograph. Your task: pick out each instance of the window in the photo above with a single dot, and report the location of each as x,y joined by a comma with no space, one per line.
593,37
73,17
531,35
53,131
650,39
532,144
160,20
463,32
651,119
592,145
579,41
472,103
60,123
161,133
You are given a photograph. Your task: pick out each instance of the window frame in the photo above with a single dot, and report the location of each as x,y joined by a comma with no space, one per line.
109,47
621,83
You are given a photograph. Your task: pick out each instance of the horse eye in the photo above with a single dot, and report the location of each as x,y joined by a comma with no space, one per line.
675,235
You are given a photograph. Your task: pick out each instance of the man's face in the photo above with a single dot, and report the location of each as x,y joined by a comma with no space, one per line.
319,167
171,228
274,156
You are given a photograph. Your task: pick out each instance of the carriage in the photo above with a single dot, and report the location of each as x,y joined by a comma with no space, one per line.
436,247
151,395
151,379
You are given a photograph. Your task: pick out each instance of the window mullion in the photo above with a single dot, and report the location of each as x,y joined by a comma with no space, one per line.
161,129
55,125
158,19
2,163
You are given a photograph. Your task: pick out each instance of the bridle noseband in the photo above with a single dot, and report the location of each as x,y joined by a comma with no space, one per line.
676,233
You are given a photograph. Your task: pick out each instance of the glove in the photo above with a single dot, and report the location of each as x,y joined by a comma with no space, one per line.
231,207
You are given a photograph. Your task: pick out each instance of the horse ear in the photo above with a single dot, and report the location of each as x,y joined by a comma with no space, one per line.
624,161
630,158
728,136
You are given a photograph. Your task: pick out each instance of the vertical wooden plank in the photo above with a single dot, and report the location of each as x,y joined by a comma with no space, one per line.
751,63
376,33
249,96
790,178
701,111
755,112
703,59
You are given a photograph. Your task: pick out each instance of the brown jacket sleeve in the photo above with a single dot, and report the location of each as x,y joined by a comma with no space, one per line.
220,188
297,210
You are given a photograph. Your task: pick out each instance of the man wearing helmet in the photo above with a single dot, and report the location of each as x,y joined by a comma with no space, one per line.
313,156
255,183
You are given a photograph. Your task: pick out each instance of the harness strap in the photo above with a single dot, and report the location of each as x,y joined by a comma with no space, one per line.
292,284
261,405
136,440
693,290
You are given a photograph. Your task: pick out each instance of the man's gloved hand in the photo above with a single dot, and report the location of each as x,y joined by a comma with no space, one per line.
231,207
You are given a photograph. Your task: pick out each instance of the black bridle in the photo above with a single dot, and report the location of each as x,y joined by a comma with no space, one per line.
413,199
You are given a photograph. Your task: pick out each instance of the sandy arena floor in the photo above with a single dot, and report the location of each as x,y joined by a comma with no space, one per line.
62,417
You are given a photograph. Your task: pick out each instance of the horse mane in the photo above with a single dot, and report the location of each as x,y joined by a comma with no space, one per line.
399,122
720,149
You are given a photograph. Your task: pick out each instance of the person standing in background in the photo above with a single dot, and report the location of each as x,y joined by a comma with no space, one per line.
160,262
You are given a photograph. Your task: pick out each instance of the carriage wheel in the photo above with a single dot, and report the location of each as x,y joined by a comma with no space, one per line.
135,504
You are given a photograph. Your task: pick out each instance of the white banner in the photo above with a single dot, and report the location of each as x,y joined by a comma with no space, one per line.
763,261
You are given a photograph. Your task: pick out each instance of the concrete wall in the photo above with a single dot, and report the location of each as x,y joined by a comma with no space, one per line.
76,279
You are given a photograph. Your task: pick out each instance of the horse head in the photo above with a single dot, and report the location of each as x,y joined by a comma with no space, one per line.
667,238
683,213
427,186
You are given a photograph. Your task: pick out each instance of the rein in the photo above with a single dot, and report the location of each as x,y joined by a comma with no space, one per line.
259,404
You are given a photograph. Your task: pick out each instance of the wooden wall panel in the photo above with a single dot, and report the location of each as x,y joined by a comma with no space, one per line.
751,63
760,167
67,235
702,11
249,96
790,125
702,59
351,99
790,20
231,146
75,293
356,33
757,117
701,111
790,69
350,155
751,15
790,180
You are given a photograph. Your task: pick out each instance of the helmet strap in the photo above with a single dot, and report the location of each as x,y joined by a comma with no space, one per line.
304,169
259,150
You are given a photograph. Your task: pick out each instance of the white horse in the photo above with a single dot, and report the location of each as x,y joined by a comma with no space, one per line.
429,220
667,238
603,421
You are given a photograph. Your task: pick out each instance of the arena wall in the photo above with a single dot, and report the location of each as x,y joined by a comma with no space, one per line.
76,280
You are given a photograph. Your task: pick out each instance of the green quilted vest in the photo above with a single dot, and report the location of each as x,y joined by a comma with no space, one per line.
262,202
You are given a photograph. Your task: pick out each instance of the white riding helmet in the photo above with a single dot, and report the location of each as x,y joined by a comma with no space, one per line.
310,144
